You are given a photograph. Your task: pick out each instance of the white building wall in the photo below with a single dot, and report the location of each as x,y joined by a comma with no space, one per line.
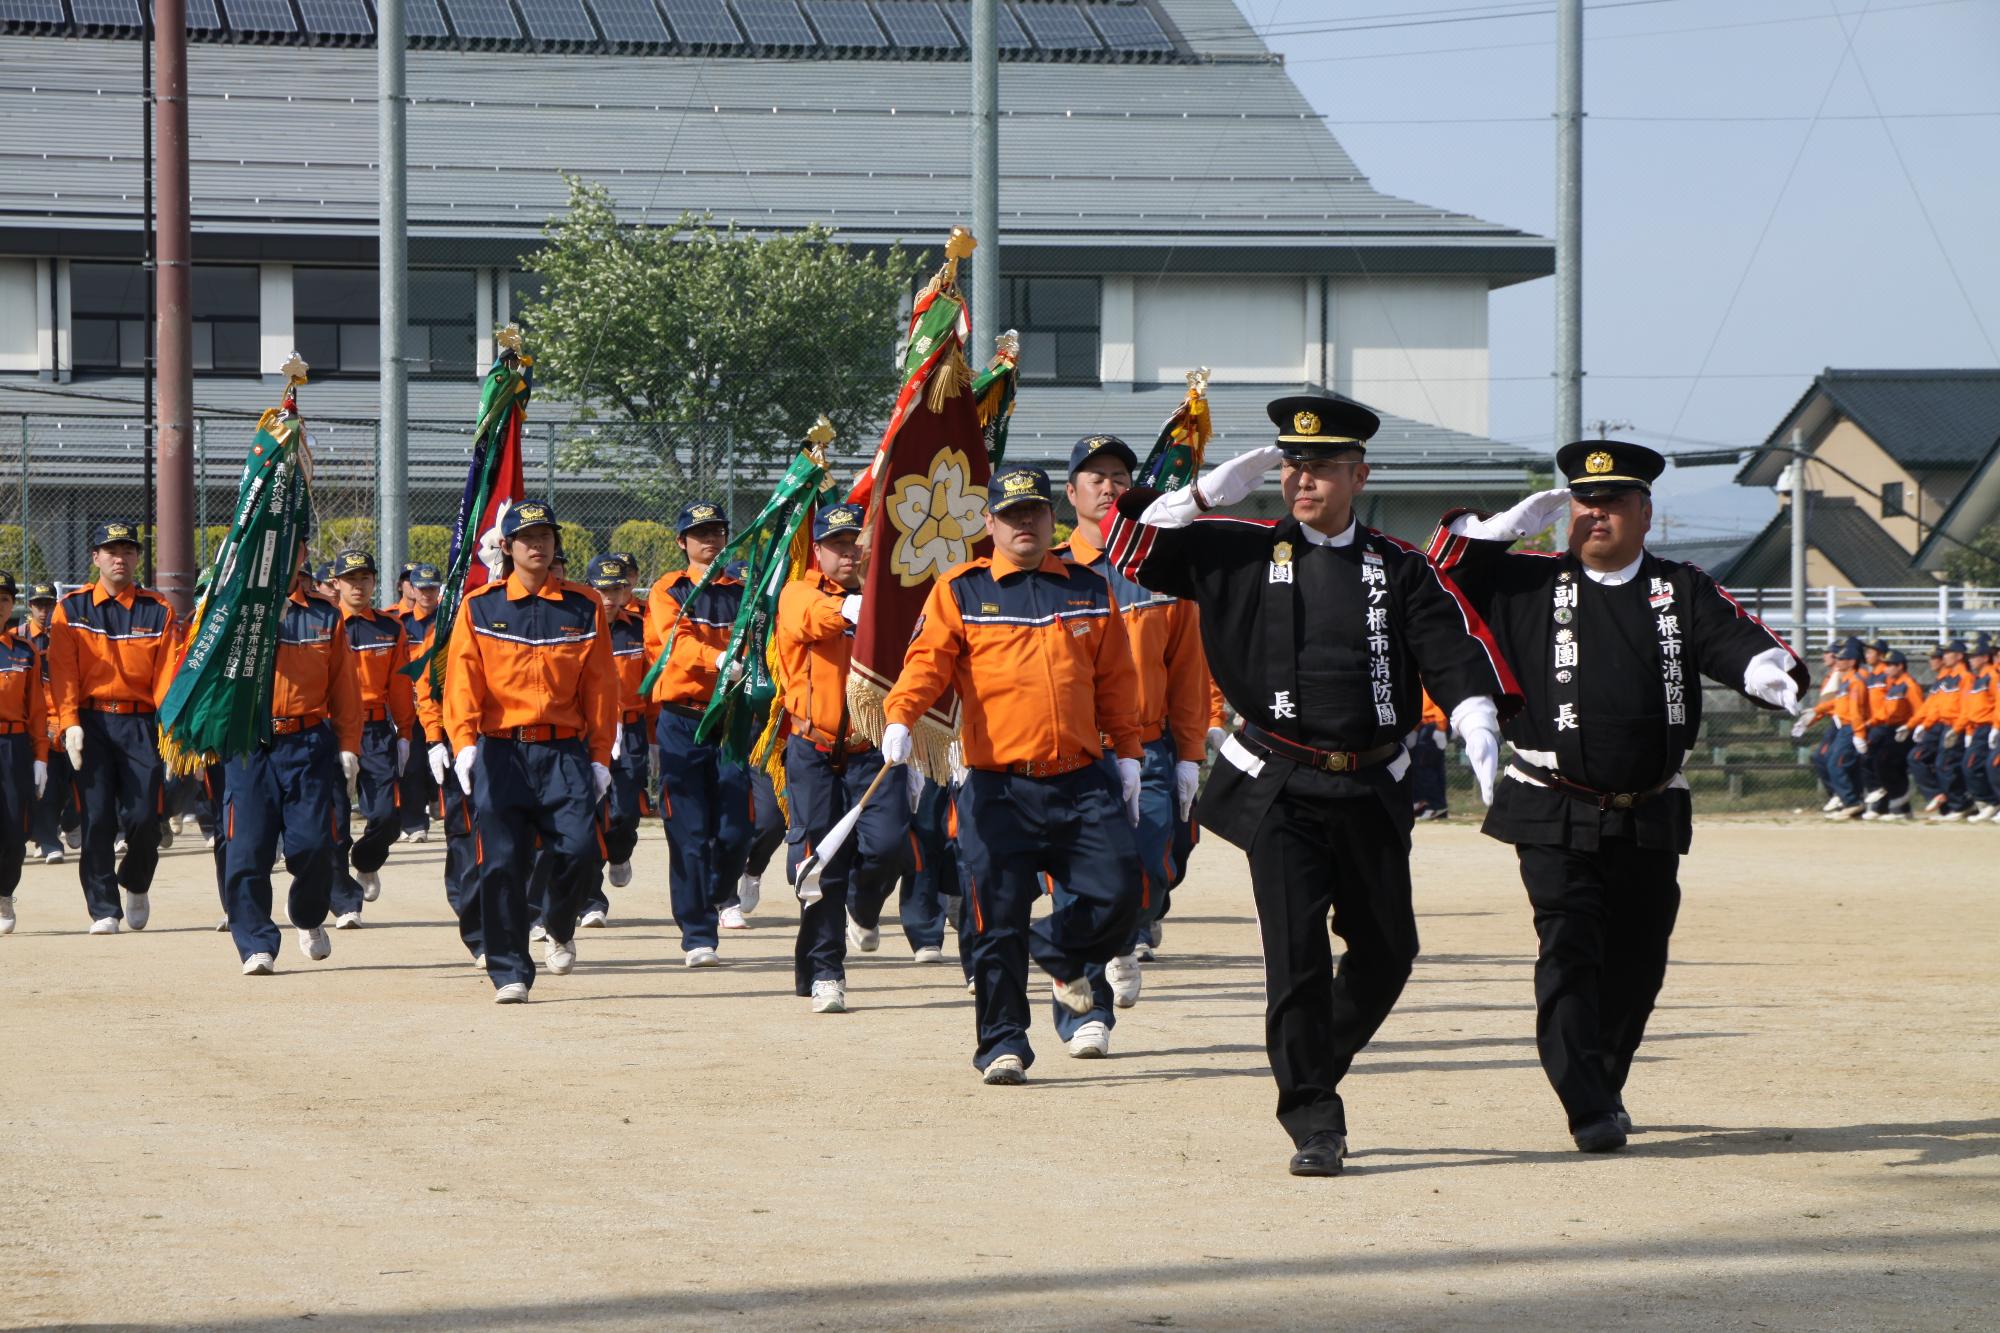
20,318
1246,330
1412,346
276,339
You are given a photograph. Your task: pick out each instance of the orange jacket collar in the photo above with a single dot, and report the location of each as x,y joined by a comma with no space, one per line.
1003,565
681,575
98,595
1085,553
552,588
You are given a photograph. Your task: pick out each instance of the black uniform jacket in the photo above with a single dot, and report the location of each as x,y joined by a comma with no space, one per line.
1329,646
1612,681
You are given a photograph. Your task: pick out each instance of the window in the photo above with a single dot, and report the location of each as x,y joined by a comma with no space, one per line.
107,308
1892,499
339,330
1060,321
523,290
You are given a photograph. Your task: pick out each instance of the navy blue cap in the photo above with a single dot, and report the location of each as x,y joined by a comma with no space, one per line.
1895,658
41,592
353,562
106,533
323,574
1956,646
1982,647
1880,645
836,519
7,584
423,575
1018,486
627,559
403,574
1850,651
527,514
1101,446
700,513
609,571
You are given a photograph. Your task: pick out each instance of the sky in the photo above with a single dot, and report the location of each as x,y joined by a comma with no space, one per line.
1770,189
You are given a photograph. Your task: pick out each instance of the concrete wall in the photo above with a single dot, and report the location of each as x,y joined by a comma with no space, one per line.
23,319
1413,346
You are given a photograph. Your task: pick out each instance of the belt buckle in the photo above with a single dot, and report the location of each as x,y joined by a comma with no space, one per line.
1622,801
1339,761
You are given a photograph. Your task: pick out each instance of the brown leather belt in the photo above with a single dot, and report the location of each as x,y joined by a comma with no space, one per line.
1603,800
292,726
375,715
536,735
823,741
1327,761
117,706
13,728
1049,768
685,710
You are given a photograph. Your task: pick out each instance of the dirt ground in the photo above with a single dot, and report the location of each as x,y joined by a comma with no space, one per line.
368,1142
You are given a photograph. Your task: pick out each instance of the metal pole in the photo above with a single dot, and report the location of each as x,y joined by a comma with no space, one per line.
174,337
1569,221
1799,539
985,178
27,563
392,454
147,272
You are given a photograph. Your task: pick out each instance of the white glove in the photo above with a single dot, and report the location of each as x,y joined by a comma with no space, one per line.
1128,789
1440,739
73,745
41,776
440,755
1216,736
617,744
1187,777
850,608
896,744
350,766
916,788
1525,519
463,766
600,778
1860,742
1769,678
1232,481
402,754
1477,722
1800,727
734,671
1950,741
1902,733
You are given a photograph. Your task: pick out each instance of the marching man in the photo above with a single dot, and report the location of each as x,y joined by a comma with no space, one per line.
388,713
24,746
611,578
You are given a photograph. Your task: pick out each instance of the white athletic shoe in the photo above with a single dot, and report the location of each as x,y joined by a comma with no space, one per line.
829,997
561,958
1143,951
1158,932
749,892
538,932
315,945
971,986
347,921
703,957
118,845
222,926
405,836
1950,817
620,873
209,842
1091,1042
732,919
104,925
1894,816
930,953
422,835
371,884
138,910
1845,812
259,965
479,962
177,823
514,992
1985,812
166,836
1005,1071
1870,815
6,914
54,858
1832,804
593,920
1879,794
860,937
1125,978
1074,995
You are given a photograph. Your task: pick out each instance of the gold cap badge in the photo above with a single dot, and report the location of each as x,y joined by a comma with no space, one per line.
1305,423
1597,464
1281,554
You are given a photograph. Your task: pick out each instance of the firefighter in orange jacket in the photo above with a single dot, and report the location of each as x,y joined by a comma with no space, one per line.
1848,708
110,661
611,579
388,714
416,791
828,766
289,786
531,707
24,746
1036,650
452,806
1938,745
1978,711
1894,703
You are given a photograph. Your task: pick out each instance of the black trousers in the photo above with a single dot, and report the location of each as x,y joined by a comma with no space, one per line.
1349,856
1603,918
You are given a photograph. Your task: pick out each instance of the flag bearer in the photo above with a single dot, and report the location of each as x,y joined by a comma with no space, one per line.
24,746
612,579
388,712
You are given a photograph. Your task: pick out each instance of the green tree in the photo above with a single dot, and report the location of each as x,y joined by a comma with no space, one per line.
579,544
692,341
652,544
430,544
345,534
1980,564
26,565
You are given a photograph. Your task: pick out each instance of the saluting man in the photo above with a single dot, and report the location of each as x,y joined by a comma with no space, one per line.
531,706
388,714
24,746
611,577
110,661
1036,650
829,766
1610,643
1324,635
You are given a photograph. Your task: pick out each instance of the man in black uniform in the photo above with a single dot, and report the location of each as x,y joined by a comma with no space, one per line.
1323,635
1609,642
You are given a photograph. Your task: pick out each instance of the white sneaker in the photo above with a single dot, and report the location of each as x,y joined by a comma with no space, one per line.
118,845
314,944
347,921
1985,813
371,884
703,957
971,986
177,823
930,953
138,910
1845,812
421,835
561,958
514,992
222,926
259,965
732,919
538,932
1869,815
1125,978
1005,1071
209,842
104,925
1074,995
860,937
593,920
1143,951
749,892
406,835
479,962
1091,1042
1158,932
1832,804
829,997
7,914
620,873
54,858
1876,796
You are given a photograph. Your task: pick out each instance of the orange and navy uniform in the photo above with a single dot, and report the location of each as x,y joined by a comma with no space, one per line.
1846,701
111,653
688,680
1947,696
1039,656
629,661
1218,707
815,648
381,649
1976,699
1432,715
316,673
1164,637
1898,703
532,660
23,703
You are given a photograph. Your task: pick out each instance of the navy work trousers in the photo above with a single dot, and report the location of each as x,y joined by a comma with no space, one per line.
416,788
376,793
461,860
17,807
1976,755
862,873
285,790
120,785
627,796
522,792
705,804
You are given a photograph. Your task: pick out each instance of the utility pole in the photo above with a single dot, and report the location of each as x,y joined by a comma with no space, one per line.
985,179
1799,541
392,462
1602,427
1569,221
173,533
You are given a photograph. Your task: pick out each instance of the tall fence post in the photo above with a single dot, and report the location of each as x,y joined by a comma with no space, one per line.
1832,615
200,486
27,571
729,471
549,454
1944,613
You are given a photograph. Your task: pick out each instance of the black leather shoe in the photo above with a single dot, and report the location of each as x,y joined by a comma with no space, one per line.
1604,1134
1321,1155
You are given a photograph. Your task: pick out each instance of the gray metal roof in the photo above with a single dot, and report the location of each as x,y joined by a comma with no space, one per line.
1710,553
1924,419
1839,530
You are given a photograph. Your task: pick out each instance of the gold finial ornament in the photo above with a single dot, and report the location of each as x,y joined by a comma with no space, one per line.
509,339
1197,380
822,433
294,370
960,244
1007,347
